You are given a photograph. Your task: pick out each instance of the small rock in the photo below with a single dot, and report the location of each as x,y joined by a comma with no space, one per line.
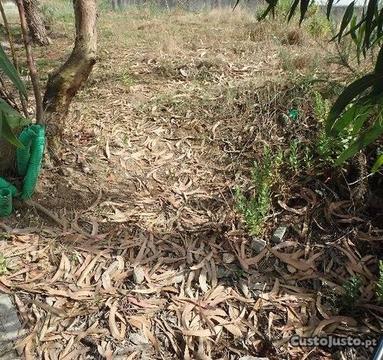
279,233
138,339
9,322
228,258
248,357
66,171
10,328
258,244
138,275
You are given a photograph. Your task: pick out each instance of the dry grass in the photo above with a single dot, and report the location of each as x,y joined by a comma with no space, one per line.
150,259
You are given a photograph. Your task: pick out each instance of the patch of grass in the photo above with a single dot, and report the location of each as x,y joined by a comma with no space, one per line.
255,208
126,79
54,10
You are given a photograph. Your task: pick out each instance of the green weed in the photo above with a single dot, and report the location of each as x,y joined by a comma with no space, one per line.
352,294
318,26
293,157
328,148
256,208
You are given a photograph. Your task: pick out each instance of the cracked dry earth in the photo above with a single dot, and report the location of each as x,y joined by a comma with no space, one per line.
149,259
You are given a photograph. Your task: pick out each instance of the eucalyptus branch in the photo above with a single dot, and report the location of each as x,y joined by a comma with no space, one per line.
31,64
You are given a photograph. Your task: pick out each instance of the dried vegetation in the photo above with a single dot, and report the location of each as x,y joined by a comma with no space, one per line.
146,256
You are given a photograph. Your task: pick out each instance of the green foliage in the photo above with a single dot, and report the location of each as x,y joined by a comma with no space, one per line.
293,157
256,208
352,293
318,26
54,10
365,93
379,285
10,71
378,163
328,147
10,118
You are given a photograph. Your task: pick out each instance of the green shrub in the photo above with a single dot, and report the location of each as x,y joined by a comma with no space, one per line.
255,208
352,294
318,26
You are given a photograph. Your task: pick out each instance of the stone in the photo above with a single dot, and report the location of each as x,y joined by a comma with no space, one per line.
228,258
258,244
66,171
278,235
138,275
10,328
249,357
138,339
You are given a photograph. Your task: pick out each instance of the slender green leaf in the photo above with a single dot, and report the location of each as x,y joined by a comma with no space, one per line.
266,12
378,163
304,7
353,27
349,93
378,86
366,138
7,67
348,14
7,133
355,112
372,8
293,9
15,119
329,7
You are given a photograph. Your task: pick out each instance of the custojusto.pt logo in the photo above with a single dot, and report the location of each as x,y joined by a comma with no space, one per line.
332,341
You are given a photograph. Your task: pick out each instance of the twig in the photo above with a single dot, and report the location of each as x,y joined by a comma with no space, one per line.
31,64
47,212
13,52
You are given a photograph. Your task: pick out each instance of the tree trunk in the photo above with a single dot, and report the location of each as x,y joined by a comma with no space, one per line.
64,83
35,23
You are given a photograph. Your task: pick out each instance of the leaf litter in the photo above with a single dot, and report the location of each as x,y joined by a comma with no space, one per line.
154,261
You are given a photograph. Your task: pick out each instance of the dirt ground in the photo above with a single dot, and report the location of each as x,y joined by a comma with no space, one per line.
142,254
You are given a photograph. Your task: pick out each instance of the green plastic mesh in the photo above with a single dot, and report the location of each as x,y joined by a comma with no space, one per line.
28,161
5,202
36,137
23,154
6,185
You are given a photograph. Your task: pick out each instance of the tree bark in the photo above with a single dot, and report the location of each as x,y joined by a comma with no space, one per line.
64,83
35,23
